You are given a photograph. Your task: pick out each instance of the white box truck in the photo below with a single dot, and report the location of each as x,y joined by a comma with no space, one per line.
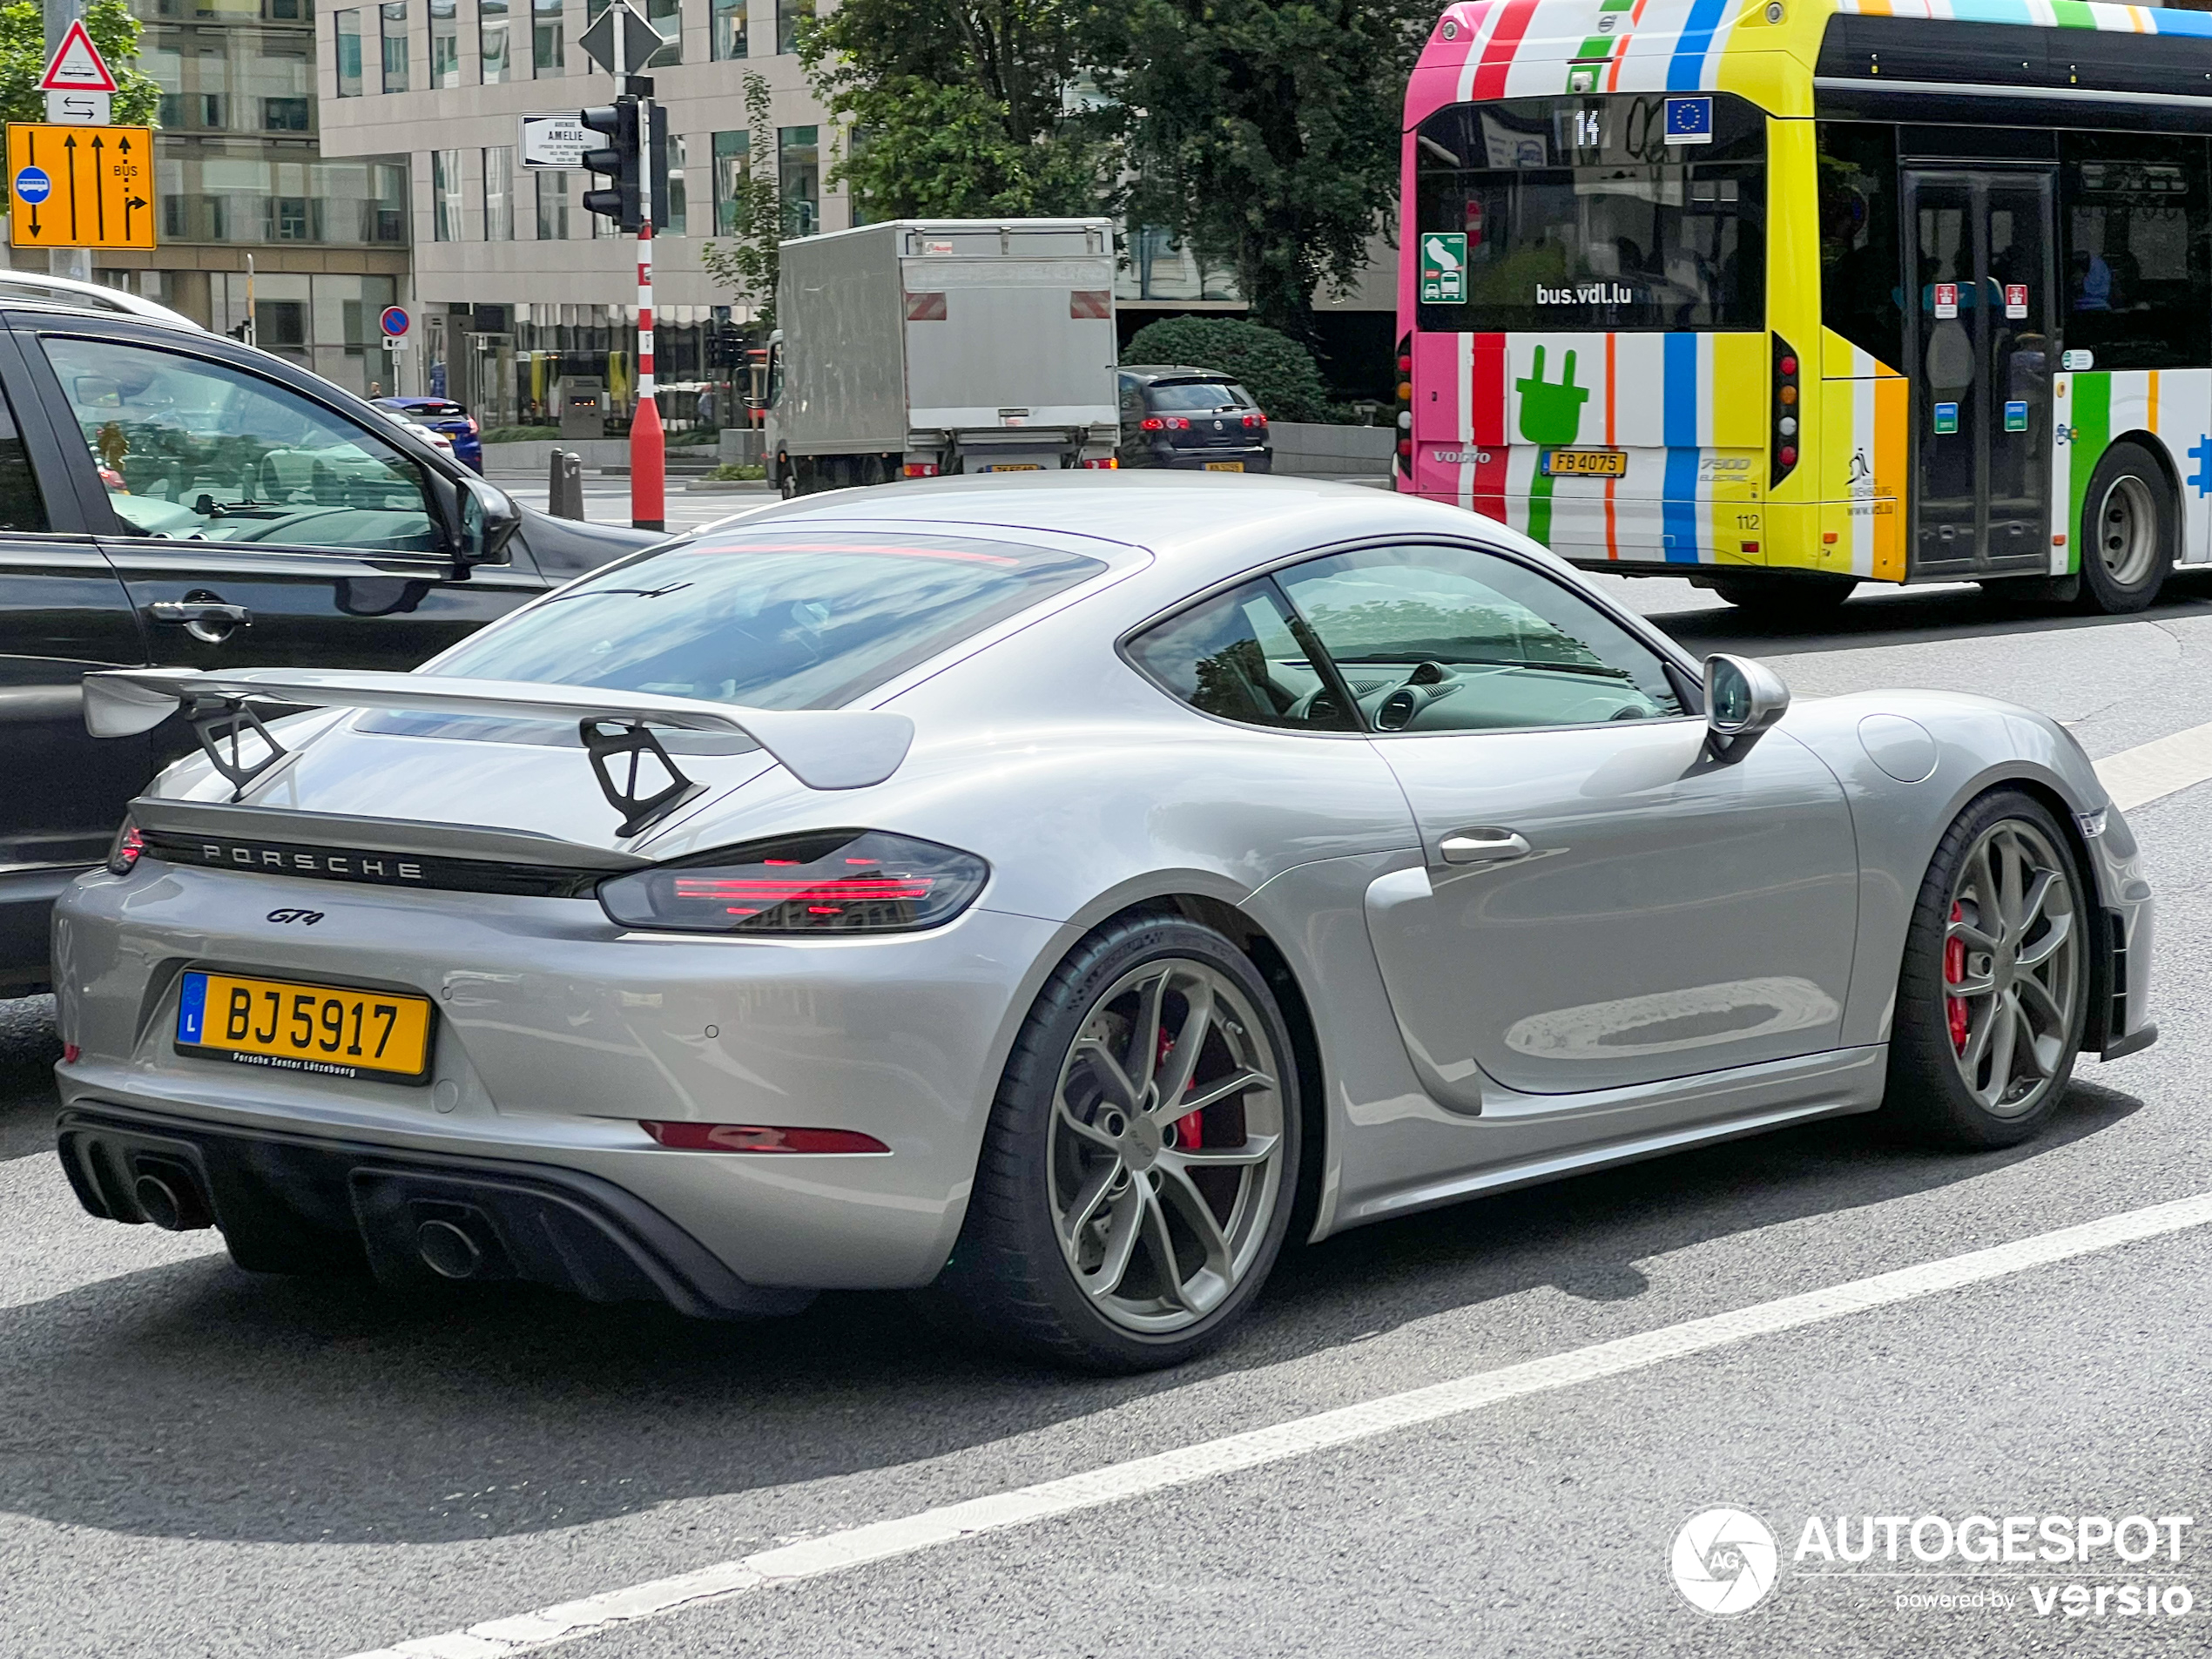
920,347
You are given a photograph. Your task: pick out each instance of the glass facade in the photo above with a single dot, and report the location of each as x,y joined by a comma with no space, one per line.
678,214
239,193
798,173
553,205
445,195
491,41
243,80
349,60
548,38
728,29
789,14
731,151
499,193
394,32
445,43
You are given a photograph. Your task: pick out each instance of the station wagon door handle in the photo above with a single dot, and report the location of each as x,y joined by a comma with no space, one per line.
1482,846
208,621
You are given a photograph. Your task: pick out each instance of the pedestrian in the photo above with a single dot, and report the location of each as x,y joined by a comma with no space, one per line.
375,390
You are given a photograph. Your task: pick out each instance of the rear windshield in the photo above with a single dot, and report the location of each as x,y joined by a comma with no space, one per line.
1626,211
772,620
1181,395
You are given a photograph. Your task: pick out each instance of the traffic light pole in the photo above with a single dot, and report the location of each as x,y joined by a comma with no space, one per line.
648,450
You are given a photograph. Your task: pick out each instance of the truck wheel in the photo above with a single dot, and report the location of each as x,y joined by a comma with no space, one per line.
872,470
786,481
2128,532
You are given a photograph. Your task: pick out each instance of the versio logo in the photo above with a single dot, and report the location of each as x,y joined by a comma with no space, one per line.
1723,1561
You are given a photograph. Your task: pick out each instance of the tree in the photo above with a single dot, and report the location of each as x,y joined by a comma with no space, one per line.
1277,371
750,265
1264,132
961,108
114,30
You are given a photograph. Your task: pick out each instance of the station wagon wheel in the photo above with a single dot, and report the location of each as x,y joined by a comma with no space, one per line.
1165,1156
1141,1163
1994,993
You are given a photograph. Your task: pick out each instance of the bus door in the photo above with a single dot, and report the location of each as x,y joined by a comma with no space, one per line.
1981,348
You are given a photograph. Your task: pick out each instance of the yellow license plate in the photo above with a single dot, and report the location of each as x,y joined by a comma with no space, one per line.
1017,466
325,1029
1225,466
1586,463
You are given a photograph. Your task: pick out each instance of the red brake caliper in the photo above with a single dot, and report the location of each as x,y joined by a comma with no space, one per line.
1191,1130
1954,972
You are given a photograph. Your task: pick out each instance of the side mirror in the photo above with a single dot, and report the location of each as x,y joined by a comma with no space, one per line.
488,519
1743,699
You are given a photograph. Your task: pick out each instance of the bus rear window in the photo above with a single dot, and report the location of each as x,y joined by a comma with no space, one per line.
1579,213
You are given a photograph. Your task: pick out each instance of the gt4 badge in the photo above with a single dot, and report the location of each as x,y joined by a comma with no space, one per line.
310,917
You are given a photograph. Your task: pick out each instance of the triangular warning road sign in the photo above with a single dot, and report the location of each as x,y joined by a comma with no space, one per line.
76,66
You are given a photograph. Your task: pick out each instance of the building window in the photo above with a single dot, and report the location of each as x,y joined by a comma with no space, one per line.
549,46
499,193
281,323
491,40
666,16
731,151
291,219
789,14
395,32
678,223
349,56
445,195
798,175
445,43
729,21
286,114
553,206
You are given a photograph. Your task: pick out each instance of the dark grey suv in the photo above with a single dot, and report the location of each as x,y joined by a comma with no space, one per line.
171,497
1195,418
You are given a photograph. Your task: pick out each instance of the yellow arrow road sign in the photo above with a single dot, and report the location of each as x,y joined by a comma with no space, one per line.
79,186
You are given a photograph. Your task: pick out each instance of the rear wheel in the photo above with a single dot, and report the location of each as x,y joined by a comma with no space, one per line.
2128,531
1782,596
1138,1178
1994,991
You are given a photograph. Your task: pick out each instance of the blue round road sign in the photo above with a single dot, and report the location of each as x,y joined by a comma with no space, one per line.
394,320
33,186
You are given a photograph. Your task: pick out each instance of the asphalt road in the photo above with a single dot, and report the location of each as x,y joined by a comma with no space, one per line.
196,1462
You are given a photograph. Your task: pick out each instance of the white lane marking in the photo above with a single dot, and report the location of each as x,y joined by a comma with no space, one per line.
886,1540
2151,771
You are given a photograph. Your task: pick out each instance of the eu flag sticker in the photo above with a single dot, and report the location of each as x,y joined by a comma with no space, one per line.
192,1008
1689,120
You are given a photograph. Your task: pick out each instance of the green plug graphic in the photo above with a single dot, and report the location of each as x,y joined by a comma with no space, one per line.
1551,413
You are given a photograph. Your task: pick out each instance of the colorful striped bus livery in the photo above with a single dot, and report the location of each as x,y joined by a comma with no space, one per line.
1790,295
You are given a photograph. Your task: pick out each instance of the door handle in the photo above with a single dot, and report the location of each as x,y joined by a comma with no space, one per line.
1485,846
209,621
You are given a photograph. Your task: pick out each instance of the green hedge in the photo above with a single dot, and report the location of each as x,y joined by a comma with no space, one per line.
1278,372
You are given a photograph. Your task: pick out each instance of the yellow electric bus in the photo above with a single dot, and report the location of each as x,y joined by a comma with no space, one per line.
1789,295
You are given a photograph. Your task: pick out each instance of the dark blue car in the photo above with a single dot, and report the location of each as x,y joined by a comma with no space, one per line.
443,414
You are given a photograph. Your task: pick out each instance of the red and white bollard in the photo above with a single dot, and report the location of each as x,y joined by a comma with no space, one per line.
648,451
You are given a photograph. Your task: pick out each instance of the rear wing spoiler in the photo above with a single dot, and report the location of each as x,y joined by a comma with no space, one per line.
823,748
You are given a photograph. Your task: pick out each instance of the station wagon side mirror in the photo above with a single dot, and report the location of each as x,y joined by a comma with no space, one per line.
1743,699
489,520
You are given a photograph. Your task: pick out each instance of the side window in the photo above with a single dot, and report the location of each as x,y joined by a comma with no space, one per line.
198,450
2134,274
22,508
1451,639
1860,291
1238,657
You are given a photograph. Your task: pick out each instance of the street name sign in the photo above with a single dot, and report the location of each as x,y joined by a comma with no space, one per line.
555,140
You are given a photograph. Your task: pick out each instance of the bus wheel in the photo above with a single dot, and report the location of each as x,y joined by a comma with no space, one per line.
2128,532
1781,596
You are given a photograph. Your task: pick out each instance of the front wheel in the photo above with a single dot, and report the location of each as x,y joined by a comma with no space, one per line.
2128,531
1993,994
1138,1175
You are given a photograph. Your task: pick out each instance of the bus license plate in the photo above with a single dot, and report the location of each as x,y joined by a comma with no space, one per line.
1225,466
327,1030
1586,463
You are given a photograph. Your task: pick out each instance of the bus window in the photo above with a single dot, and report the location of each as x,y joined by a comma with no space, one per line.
1859,278
1577,213
2132,268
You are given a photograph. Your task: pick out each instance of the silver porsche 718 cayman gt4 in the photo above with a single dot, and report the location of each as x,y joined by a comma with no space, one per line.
1058,893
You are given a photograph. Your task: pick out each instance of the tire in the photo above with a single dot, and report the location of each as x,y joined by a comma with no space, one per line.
2129,531
1067,1157
1785,597
786,480
1956,1077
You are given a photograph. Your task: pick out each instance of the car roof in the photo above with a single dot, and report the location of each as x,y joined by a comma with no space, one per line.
1178,372
36,287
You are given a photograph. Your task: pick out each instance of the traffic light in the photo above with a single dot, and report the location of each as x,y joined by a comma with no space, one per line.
620,161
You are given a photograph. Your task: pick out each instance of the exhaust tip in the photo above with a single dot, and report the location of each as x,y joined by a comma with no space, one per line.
448,1251
171,1201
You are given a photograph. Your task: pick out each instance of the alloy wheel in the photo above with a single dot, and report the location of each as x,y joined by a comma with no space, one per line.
1165,1155
2011,967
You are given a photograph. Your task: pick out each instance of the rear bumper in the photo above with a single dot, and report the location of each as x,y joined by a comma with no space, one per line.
289,1203
1197,460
